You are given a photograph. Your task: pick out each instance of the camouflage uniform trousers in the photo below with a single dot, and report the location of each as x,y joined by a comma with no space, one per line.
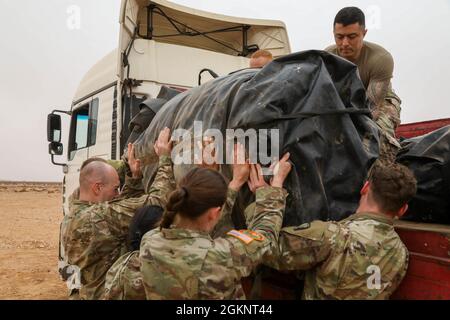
388,121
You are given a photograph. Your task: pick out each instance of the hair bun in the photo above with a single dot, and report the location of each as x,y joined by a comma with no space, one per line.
177,200
185,192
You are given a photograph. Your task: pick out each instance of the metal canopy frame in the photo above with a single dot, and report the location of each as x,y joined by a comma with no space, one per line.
153,9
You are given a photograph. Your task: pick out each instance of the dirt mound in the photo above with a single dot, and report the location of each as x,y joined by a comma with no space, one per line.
20,187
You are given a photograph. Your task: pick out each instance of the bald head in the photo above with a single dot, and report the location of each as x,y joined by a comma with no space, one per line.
260,58
90,160
99,182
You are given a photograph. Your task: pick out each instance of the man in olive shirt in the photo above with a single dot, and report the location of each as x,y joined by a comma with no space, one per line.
376,66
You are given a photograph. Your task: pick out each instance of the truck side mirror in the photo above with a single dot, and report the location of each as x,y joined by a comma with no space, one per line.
55,148
54,128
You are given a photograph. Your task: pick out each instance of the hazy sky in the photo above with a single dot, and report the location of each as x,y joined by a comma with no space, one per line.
42,59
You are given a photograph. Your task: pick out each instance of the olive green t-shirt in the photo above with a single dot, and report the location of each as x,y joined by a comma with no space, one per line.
374,64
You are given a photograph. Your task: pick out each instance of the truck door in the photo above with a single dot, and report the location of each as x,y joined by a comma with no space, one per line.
83,135
104,126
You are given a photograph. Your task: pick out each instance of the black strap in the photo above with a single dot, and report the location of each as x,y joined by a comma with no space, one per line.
303,115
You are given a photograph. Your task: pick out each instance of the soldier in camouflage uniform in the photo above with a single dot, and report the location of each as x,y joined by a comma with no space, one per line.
131,189
182,261
95,230
361,257
124,279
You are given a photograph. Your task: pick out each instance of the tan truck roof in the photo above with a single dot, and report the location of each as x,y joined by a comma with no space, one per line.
101,75
170,18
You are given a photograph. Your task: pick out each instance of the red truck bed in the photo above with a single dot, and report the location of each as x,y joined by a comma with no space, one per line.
428,274
415,129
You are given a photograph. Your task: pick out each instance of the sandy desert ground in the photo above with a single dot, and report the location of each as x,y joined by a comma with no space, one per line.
30,214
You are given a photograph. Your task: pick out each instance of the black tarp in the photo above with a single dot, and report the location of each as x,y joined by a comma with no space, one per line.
318,103
428,157
147,111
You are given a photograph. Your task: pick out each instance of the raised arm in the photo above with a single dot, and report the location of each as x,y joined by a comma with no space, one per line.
241,171
250,246
164,182
133,187
122,210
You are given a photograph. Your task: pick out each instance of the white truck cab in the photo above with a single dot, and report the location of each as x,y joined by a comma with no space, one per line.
160,44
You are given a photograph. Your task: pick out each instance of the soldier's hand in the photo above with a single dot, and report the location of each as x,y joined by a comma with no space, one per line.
133,163
209,154
241,168
281,171
163,146
256,178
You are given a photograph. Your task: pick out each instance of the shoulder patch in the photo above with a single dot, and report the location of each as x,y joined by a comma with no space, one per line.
332,227
241,236
246,236
255,235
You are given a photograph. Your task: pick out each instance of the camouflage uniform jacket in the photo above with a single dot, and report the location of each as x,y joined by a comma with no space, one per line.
361,257
124,280
94,235
184,264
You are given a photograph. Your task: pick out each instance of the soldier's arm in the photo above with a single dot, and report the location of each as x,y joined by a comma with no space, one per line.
121,211
241,171
376,93
163,184
303,247
248,247
133,187
225,223
380,81
269,208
